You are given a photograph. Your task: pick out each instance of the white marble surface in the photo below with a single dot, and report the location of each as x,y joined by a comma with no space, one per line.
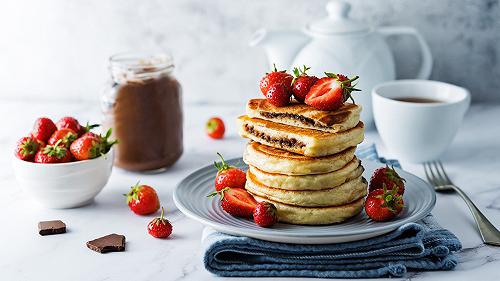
473,161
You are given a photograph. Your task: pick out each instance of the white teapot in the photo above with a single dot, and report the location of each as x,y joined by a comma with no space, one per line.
342,45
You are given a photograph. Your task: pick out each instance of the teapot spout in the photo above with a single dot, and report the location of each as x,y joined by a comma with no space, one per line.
281,47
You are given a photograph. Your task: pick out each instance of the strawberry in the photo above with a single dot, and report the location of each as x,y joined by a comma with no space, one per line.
85,148
278,96
91,145
383,205
302,83
265,214
160,227
70,123
43,129
66,135
228,176
276,77
86,130
215,128
236,201
26,148
142,199
91,134
53,154
331,92
389,177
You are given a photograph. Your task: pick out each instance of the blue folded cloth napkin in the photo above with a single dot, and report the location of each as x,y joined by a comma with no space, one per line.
414,246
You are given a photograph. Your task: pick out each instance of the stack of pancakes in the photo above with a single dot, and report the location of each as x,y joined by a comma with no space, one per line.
302,160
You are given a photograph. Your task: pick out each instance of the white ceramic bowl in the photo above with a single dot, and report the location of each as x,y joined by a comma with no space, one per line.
418,132
64,185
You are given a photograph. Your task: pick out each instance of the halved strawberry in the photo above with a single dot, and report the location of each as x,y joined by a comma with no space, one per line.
330,93
236,201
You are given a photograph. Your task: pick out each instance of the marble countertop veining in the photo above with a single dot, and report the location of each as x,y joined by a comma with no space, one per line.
473,162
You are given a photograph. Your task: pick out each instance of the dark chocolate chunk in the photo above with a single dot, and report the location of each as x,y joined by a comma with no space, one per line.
109,243
51,227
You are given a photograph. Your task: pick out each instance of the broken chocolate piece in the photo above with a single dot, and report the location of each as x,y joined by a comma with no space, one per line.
109,243
51,227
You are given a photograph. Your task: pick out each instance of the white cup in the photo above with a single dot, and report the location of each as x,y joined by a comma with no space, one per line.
418,132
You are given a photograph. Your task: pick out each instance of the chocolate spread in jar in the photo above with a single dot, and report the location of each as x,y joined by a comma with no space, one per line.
147,121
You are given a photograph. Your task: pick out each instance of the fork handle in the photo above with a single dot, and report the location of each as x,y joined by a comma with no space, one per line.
488,232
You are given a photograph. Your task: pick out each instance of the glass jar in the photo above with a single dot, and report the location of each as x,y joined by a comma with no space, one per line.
143,106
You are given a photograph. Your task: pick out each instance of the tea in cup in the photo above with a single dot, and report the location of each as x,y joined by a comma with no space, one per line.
418,119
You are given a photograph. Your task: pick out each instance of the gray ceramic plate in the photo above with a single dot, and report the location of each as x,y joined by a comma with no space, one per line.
190,196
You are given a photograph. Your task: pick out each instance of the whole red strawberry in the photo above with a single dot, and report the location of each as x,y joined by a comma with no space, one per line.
277,95
160,227
265,214
88,147
228,176
236,201
91,134
302,83
142,199
67,136
53,154
383,205
389,177
276,77
26,148
43,129
215,128
70,123
331,92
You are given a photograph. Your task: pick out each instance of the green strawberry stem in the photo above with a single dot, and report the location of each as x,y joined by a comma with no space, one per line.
105,144
55,150
89,127
221,193
28,147
393,175
299,72
133,193
162,213
391,199
223,165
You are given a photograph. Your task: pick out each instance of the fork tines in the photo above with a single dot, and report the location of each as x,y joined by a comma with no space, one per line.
435,173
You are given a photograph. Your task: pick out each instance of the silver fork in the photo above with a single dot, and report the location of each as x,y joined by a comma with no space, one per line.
434,171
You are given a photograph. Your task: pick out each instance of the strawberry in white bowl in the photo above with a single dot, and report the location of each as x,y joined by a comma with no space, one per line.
56,175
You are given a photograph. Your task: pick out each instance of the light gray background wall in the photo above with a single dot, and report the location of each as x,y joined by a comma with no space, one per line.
58,49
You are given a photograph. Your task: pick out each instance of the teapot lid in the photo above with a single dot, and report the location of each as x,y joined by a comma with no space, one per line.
337,21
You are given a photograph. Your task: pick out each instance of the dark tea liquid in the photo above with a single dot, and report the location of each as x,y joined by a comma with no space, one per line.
417,100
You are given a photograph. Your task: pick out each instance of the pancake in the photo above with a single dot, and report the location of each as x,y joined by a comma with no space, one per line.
350,171
315,216
340,195
307,142
304,116
274,160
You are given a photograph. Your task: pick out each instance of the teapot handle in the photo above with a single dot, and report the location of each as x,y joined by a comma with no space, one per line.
426,66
